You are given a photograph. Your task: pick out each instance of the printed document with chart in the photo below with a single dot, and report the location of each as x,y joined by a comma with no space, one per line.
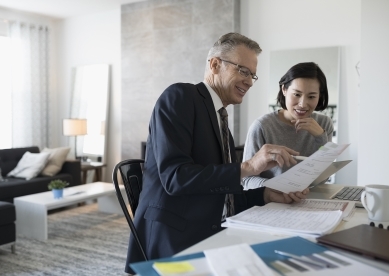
304,173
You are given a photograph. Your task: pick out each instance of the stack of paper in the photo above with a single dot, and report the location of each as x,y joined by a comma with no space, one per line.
309,218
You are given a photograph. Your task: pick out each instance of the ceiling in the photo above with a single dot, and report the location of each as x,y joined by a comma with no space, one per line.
63,8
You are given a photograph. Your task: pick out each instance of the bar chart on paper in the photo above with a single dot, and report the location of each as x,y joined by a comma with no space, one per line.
333,263
328,260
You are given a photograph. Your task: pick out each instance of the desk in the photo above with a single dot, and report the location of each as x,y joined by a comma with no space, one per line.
92,166
231,236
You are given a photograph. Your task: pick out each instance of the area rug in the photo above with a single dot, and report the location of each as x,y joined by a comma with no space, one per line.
81,241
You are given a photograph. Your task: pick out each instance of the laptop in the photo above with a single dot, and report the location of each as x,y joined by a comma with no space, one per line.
319,190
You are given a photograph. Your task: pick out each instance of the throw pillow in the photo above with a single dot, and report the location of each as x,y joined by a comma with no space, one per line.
30,165
56,160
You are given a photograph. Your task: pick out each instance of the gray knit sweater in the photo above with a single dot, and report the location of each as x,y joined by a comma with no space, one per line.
269,129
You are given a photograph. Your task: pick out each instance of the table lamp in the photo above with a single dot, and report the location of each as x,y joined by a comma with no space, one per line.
74,127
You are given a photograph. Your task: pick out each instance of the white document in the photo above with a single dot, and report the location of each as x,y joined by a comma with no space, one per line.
237,260
300,176
284,218
347,207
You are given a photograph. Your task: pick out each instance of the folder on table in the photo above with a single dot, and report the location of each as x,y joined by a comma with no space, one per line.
363,239
266,251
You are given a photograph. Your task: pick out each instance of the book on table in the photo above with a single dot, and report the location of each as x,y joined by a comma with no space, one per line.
363,239
310,217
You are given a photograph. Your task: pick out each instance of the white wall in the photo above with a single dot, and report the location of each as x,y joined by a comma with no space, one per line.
374,95
276,25
285,24
86,40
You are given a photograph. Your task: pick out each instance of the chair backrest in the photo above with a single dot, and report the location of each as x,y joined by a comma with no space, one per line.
131,171
239,153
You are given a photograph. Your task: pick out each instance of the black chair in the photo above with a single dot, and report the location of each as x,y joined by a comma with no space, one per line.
239,153
131,171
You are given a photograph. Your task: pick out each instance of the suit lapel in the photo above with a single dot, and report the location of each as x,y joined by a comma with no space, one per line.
211,111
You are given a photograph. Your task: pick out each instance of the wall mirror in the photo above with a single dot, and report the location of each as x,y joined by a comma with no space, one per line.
90,84
328,60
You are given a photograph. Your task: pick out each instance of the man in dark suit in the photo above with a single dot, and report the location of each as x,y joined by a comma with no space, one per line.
186,180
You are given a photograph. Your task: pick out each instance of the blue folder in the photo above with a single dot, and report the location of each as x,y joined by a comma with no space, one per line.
294,245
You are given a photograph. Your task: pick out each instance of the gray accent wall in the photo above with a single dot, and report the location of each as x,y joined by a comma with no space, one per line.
164,42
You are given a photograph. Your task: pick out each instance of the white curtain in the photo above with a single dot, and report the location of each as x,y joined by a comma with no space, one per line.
30,95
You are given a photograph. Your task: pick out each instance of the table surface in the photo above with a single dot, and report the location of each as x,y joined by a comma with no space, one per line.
232,236
71,195
92,165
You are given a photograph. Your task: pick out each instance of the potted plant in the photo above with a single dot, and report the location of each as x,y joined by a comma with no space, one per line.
57,187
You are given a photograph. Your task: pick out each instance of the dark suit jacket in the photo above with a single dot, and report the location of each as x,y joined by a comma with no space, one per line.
185,181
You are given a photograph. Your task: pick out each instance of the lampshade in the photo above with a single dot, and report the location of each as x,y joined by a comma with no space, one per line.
74,127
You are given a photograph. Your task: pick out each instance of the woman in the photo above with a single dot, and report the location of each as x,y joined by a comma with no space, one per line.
303,90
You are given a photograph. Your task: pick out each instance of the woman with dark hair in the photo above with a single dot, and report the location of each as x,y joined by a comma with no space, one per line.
303,90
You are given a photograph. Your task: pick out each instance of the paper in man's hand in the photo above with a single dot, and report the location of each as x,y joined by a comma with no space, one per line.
300,176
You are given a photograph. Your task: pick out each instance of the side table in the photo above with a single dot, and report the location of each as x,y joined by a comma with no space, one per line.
97,167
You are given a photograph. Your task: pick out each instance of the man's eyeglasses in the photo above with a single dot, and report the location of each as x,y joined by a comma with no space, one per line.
244,71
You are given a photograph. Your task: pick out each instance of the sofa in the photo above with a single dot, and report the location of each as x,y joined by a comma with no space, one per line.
15,187
7,224
11,187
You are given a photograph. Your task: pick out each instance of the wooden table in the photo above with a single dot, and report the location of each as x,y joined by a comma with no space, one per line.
97,167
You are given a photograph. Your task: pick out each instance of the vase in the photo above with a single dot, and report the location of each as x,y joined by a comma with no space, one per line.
58,193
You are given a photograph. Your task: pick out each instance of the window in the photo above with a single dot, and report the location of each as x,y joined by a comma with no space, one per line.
5,93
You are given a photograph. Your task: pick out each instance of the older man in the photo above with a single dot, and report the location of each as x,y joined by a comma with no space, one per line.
191,179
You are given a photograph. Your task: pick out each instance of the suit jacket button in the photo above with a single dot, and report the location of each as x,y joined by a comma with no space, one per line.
214,227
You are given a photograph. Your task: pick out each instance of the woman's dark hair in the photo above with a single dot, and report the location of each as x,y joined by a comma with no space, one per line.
307,70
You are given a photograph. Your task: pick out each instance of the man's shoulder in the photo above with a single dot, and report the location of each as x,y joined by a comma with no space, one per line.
181,89
185,86
183,94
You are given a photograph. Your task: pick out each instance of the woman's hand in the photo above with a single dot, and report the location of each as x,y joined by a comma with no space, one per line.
308,124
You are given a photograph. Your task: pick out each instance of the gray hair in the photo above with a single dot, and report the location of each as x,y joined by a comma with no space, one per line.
228,42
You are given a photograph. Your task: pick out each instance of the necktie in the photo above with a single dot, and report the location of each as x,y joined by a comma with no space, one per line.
226,154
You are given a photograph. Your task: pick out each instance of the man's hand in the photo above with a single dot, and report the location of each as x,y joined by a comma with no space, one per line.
266,158
271,195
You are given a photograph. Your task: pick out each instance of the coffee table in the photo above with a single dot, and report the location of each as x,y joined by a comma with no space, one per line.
31,210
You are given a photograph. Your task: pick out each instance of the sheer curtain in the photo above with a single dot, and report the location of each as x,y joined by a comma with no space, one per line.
30,95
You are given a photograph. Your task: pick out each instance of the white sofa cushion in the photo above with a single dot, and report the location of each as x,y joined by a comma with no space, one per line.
30,165
56,160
